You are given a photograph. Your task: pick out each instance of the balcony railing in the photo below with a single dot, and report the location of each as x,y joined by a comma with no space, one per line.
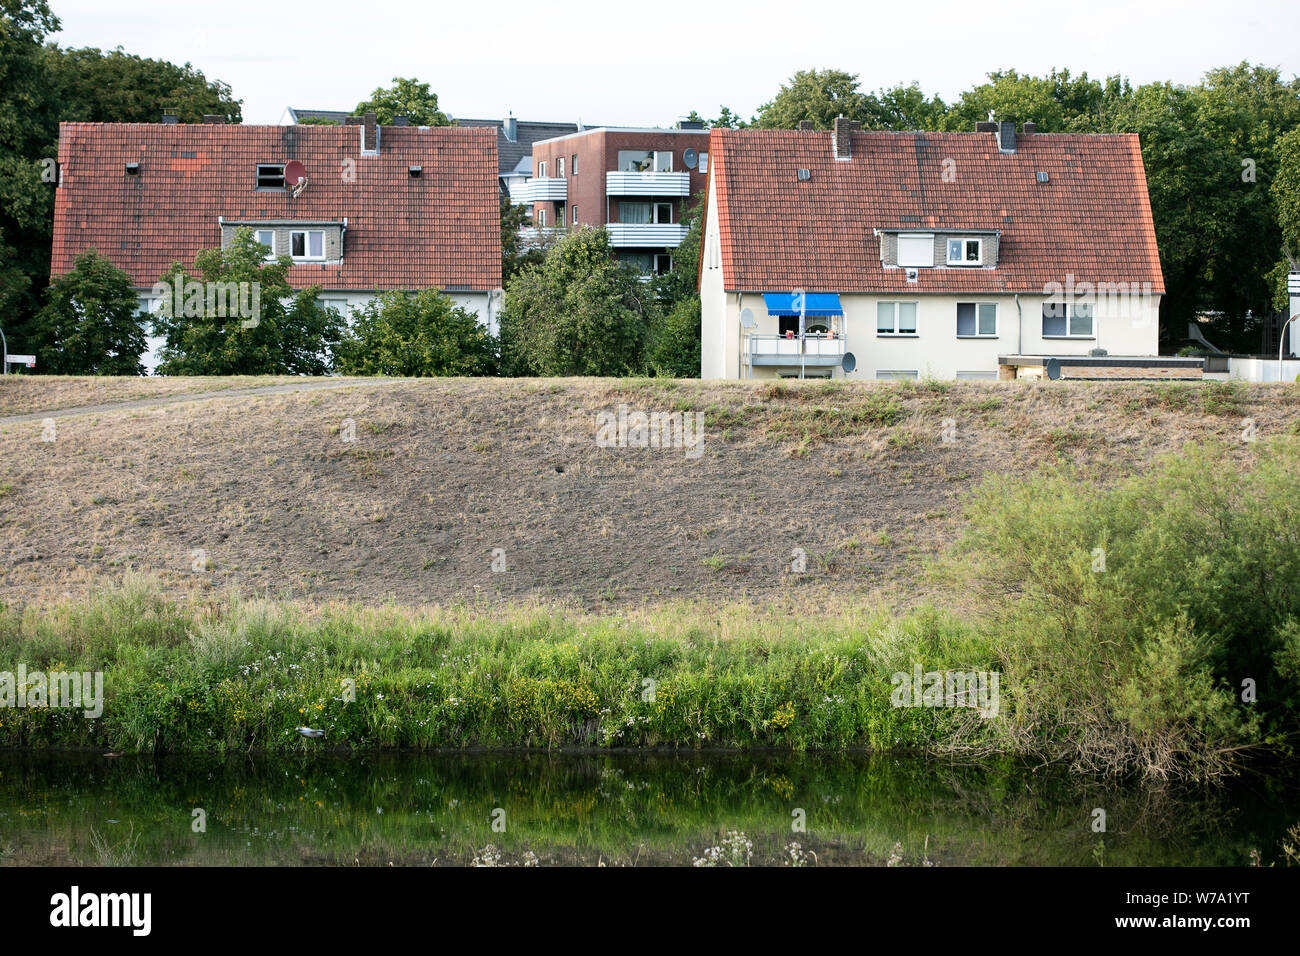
646,235
819,349
542,189
647,184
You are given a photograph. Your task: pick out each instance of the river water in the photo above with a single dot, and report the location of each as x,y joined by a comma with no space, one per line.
611,809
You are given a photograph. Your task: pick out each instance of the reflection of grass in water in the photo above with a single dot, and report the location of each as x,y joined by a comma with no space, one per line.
115,854
622,811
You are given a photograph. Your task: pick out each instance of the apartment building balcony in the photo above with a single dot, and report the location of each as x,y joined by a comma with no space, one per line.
647,184
818,349
542,189
649,235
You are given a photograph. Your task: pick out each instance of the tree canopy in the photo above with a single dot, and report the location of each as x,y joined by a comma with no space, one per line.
406,97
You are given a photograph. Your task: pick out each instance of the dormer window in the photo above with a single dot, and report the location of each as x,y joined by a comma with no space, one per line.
965,252
270,176
916,249
267,238
307,244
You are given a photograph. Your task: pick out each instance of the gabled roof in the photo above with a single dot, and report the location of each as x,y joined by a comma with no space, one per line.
527,132
1092,218
441,229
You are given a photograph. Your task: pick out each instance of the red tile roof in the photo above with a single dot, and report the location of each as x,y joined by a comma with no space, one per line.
441,229
1092,218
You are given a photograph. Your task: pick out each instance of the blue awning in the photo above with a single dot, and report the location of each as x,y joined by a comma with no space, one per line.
815,303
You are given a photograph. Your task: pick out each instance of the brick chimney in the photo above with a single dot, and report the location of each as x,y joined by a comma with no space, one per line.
214,119
369,135
842,137
984,127
1029,129
805,125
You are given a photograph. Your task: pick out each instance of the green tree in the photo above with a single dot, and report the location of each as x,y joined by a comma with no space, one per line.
92,321
97,86
406,97
675,349
420,333
820,96
275,331
1055,102
517,252
580,312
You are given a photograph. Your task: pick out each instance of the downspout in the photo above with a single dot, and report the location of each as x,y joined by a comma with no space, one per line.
1020,325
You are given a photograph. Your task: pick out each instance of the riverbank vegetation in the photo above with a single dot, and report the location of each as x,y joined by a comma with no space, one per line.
1150,626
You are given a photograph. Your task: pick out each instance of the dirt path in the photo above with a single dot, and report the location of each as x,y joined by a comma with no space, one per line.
139,403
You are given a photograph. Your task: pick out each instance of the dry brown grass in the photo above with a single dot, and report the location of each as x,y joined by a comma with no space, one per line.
444,471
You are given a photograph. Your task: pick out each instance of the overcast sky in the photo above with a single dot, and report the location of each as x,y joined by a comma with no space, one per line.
649,63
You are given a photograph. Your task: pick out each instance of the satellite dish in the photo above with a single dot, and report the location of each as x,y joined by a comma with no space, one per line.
1053,369
294,172
690,158
747,318
849,362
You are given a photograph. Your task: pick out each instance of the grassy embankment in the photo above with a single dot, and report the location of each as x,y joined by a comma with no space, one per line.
1133,663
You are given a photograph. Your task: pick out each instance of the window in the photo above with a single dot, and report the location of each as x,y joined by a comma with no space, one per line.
575,215
897,374
645,213
643,262
704,162
965,252
663,212
541,170
915,250
267,238
307,244
977,376
338,305
559,167
270,176
645,161
1067,320
573,165
541,218
895,318
976,319
663,263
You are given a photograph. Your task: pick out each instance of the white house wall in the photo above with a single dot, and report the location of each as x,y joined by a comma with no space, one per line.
1121,328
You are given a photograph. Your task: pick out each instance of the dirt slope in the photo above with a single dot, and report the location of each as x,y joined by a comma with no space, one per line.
442,472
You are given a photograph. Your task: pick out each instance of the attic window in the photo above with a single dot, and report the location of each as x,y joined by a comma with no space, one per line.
965,252
916,249
270,176
1041,176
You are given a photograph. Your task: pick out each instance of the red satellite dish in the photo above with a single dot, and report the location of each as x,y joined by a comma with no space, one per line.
294,172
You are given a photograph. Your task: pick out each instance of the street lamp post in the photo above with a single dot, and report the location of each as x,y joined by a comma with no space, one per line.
1280,339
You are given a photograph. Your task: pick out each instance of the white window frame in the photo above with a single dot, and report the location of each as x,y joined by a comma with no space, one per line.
704,162
928,237
541,218
894,333
541,169
1070,314
575,215
654,213
559,167
655,261
663,161
897,374
306,245
977,334
962,260
270,249
573,165
976,375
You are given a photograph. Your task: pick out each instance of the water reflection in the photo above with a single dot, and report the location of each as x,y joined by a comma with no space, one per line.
615,810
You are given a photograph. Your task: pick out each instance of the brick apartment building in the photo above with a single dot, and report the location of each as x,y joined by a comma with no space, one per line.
638,183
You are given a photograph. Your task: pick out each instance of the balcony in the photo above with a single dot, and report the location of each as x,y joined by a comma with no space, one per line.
542,189
819,349
647,184
646,235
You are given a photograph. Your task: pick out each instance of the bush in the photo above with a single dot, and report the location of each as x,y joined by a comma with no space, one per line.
1127,619
416,333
